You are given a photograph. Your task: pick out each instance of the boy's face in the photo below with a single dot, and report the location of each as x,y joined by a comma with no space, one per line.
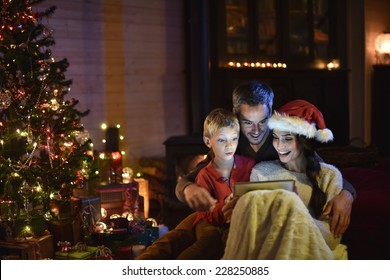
254,122
223,142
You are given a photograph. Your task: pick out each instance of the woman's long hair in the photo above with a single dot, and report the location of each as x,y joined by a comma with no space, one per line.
313,168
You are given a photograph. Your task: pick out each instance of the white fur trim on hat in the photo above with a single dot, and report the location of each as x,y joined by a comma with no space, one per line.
303,118
292,124
324,135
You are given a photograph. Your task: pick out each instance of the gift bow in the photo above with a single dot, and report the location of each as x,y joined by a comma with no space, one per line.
80,247
103,252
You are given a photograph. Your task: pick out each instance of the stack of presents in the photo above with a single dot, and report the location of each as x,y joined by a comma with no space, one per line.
110,223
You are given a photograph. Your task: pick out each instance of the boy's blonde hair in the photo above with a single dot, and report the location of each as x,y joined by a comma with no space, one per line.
217,119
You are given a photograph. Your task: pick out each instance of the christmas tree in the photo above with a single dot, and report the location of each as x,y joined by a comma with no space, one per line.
44,148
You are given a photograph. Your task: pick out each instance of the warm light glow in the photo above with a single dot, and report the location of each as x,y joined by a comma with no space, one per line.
127,173
128,216
116,155
38,188
334,64
154,222
100,226
257,64
103,212
144,192
103,126
382,43
382,48
115,216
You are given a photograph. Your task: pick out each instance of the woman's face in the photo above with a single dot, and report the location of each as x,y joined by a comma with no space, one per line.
289,150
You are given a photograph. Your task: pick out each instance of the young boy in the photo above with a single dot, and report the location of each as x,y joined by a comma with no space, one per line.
221,133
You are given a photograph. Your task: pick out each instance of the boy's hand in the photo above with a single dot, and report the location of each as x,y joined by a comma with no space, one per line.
227,209
198,198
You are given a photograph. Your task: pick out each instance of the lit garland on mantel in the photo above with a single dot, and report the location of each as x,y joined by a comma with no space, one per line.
334,64
232,64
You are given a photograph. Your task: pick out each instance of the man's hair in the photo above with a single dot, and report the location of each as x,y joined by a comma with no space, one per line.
217,119
252,93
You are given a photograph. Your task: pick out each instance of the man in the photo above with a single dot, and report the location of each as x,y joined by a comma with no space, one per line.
252,102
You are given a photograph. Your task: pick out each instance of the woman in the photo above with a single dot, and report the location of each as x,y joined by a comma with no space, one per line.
281,224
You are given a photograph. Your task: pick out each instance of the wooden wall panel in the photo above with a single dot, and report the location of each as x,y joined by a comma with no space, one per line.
127,66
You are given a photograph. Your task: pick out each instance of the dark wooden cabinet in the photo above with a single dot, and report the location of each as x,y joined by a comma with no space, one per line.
303,36
380,104
299,33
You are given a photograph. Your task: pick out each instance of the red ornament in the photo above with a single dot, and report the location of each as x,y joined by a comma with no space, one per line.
65,192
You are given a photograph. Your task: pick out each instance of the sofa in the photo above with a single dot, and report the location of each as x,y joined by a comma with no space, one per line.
367,237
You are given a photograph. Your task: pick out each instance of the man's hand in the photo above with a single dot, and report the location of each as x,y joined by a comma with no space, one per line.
340,207
198,198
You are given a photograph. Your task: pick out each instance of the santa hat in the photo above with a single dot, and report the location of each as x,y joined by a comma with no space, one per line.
303,118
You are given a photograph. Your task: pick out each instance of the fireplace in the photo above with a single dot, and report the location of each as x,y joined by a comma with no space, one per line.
183,153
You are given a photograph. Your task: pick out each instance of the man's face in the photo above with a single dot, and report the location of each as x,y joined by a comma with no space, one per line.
254,122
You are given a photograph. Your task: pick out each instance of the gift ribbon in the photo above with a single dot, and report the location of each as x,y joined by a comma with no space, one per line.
88,210
103,252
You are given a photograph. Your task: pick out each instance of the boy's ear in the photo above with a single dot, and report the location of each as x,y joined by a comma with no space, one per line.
207,141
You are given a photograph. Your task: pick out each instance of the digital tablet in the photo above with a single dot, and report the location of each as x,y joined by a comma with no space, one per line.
241,188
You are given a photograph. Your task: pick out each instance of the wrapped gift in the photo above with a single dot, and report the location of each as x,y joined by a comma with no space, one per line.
66,230
90,210
65,209
87,253
31,249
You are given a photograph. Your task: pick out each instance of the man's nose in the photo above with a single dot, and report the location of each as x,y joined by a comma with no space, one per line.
256,127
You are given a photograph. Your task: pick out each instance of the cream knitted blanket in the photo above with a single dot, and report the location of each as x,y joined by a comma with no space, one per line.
274,225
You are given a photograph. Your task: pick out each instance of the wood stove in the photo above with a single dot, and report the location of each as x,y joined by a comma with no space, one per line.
182,155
